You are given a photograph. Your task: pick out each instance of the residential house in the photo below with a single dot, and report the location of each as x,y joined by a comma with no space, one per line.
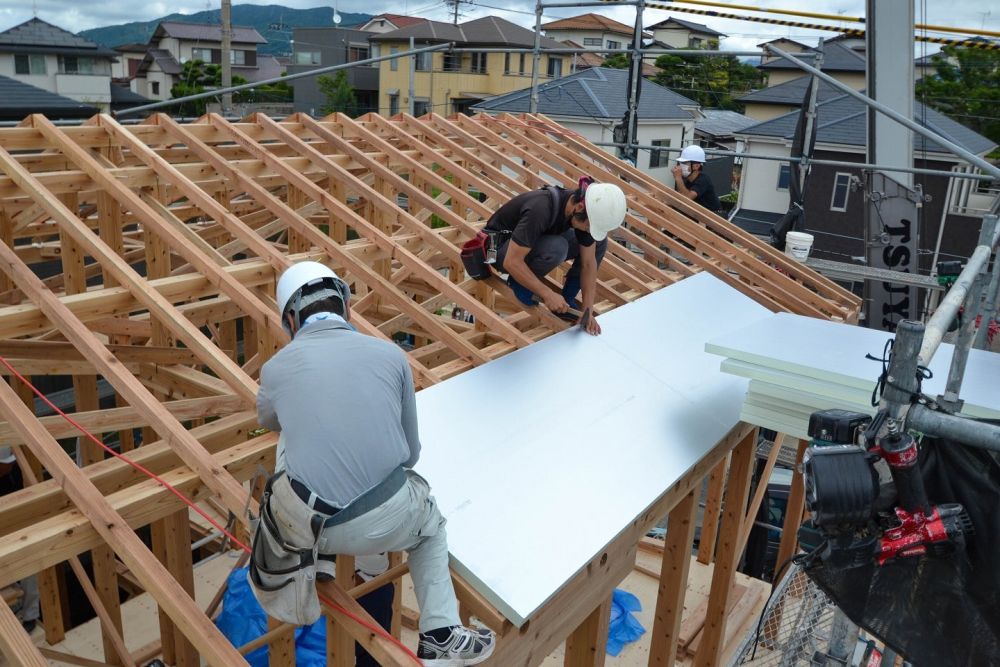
591,31
834,200
774,101
174,43
47,57
680,34
843,59
593,101
785,44
129,58
579,61
452,82
324,47
21,99
718,127
388,23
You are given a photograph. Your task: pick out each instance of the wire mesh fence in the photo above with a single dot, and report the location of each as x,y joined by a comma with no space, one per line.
795,626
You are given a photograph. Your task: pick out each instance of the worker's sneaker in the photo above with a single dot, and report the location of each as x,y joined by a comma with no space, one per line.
523,294
462,646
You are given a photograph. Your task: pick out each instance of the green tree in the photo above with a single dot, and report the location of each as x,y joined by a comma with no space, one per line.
339,94
712,81
616,61
197,77
965,87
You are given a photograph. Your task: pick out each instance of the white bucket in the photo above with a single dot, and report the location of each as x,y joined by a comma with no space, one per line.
797,245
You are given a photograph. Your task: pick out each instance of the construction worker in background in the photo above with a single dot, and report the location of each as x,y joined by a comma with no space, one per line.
345,405
536,231
692,182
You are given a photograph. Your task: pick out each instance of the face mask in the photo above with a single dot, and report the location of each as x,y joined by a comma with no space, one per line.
685,169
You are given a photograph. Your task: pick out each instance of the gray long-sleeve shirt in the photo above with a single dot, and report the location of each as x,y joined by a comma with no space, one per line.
346,406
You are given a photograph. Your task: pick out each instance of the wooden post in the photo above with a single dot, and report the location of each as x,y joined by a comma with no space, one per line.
281,649
710,518
727,558
673,581
15,642
793,511
339,643
586,646
396,628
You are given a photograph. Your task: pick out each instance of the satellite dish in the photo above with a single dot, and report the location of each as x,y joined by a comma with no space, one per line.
336,18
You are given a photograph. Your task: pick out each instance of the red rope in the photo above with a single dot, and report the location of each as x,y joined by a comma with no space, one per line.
377,629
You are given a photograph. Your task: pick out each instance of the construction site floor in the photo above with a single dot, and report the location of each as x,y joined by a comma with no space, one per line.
142,627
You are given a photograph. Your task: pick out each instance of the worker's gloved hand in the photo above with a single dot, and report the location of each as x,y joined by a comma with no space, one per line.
555,302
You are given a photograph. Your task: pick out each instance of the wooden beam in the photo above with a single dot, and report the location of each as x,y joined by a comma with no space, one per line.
15,642
710,517
793,512
673,576
587,645
758,496
113,529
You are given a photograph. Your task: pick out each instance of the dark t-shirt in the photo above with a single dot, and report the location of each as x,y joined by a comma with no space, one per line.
702,186
528,217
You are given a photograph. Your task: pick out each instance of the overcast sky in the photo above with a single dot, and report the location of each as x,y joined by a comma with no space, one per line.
75,15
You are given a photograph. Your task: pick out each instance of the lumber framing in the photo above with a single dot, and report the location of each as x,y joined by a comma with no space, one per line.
143,258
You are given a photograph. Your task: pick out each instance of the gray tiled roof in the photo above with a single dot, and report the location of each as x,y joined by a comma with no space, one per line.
790,92
722,123
122,95
37,36
598,92
486,31
842,121
163,58
206,32
690,25
755,222
837,57
21,99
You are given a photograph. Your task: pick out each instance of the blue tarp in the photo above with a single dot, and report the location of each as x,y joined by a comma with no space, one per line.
242,620
623,628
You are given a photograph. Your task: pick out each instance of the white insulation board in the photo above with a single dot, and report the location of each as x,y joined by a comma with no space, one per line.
540,458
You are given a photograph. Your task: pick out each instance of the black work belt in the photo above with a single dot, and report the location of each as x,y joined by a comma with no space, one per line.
366,502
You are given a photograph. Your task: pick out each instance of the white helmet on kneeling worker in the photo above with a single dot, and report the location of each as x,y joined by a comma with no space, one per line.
304,284
605,203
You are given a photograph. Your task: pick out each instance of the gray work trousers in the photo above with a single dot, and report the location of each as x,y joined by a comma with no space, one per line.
409,521
29,607
550,251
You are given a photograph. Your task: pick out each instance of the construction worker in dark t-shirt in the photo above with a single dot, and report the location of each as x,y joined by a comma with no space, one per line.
537,231
691,182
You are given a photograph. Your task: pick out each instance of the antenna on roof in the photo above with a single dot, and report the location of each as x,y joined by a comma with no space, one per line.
34,8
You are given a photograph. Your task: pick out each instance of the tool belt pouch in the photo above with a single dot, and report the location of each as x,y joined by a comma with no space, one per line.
283,577
474,256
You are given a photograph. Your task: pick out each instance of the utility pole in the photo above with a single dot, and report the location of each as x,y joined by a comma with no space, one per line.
892,207
227,66
536,58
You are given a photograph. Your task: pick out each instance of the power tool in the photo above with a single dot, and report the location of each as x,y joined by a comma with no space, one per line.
856,520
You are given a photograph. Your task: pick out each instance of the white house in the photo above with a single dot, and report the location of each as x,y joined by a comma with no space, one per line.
387,23
47,57
834,195
591,31
592,101
681,34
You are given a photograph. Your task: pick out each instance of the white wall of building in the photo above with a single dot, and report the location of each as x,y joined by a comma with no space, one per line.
579,35
759,180
88,88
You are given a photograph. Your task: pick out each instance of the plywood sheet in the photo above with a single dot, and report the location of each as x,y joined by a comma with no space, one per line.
540,458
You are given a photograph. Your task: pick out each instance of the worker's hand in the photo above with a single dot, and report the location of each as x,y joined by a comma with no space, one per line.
592,327
555,302
677,172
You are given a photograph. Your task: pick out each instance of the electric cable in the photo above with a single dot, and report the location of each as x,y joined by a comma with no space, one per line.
377,629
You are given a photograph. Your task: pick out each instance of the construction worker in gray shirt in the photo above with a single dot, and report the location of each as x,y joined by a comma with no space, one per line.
345,405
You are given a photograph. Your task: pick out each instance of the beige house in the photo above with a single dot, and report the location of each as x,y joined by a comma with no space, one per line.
591,31
45,56
785,44
681,34
387,23
174,43
843,59
452,82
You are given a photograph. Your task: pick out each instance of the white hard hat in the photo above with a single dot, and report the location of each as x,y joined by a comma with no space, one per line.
606,206
303,274
692,154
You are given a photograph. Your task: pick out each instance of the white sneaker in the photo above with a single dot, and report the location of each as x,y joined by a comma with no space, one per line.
465,646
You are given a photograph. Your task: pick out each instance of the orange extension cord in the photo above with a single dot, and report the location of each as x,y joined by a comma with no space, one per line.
377,629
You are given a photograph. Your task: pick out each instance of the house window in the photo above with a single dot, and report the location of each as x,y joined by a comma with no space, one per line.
659,158
591,41
29,64
506,63
393,104
841,190
555,67
694,42
424,61
75,65
452,62
204,55
154,87
376,51
394,63
520,68
307,58
784,176
237,57
614,45
356,53
421,107
479,63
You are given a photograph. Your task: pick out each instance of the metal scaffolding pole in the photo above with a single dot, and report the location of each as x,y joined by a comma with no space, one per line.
536,58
